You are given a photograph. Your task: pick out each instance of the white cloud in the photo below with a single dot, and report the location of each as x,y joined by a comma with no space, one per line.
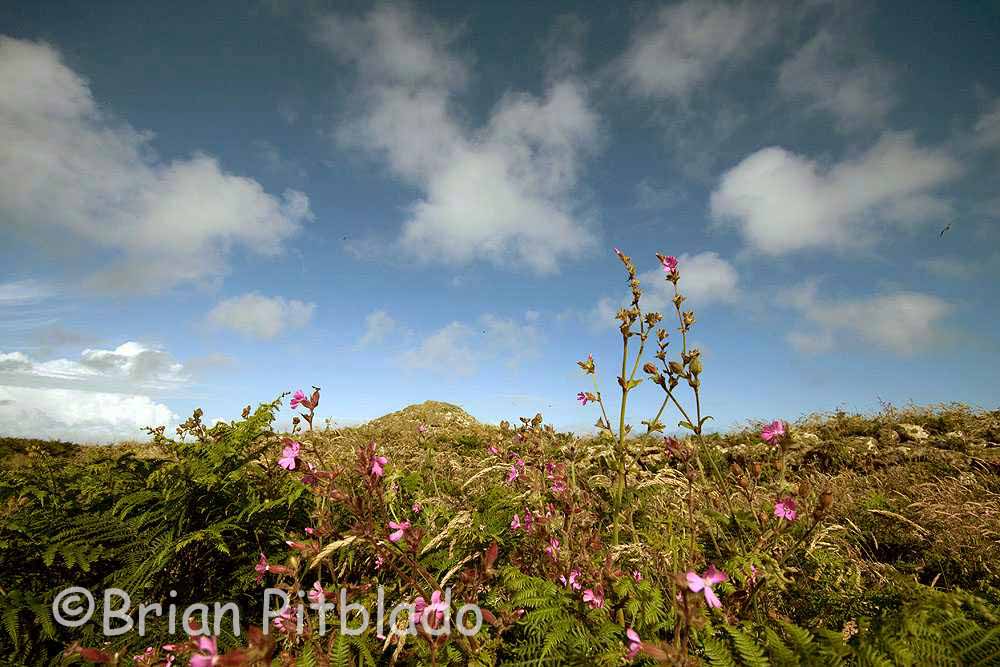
501,193
378,325
128,367
705,278
783,202
68,170
460,348
851,85
446,351
900,322
80,416
688,43
21,292
261,317
987,128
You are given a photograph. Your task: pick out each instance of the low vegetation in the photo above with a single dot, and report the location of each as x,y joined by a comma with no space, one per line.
839,539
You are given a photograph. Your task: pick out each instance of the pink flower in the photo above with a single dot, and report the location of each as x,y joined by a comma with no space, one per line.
516,469
284,622
785,509
310,531
317,594
711,577
417,508
492,449
399,530
571,582
208,653
669,264
515,523
634,643
637,575
594,599
298,398
379,562
773,432
437,606
529,521
558,486
289,454
553,548
583,398
378,463
422,428
261,567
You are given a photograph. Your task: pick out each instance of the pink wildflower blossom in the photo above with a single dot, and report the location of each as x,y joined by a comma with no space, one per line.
422,429
637,575
571,582
704,583
208,653
583,398
261,567
595,599
553,548
785,509
399,530
516,469
284,621
298,398
515,523
310,531
289,454
772,432
634,643
316,593
378,464
669,264
437,607
417,508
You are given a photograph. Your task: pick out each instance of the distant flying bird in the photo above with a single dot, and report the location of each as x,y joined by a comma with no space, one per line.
944,230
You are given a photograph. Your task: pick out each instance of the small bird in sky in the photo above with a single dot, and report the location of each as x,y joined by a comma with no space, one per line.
947,227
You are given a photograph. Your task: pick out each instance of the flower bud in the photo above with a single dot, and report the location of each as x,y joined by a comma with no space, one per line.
696,366
804,488
676,368
649,367
735,469
826,499
742,481
757,469
779,464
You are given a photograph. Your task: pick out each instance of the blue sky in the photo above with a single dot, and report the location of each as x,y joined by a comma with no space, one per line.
209,205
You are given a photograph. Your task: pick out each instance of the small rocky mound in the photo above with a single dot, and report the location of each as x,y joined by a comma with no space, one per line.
432,413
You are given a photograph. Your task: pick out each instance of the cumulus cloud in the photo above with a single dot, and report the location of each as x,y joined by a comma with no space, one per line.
80,416
67,168
850,84
783,202
128,367
378,325
460,348
501,192
899,322
256,316
705,278
688,43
